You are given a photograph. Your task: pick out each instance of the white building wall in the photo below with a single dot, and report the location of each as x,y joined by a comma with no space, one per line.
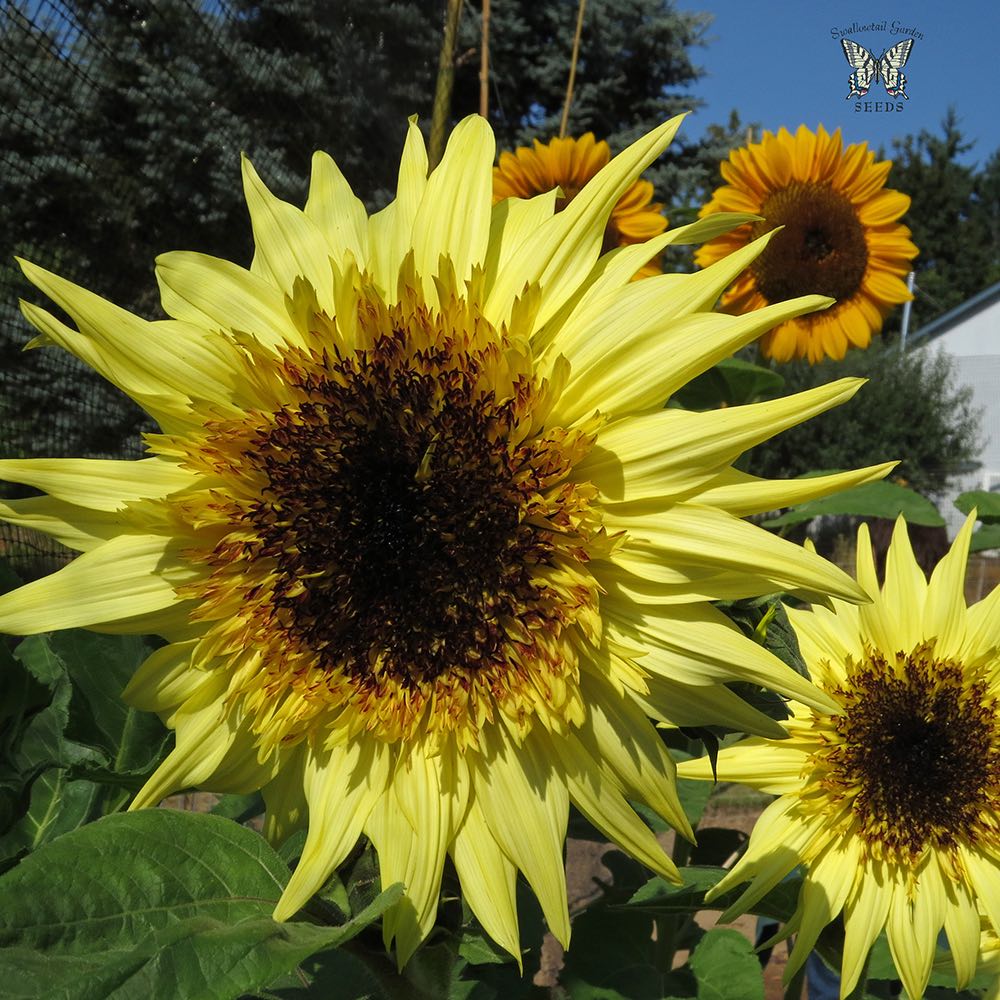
975,336
981,372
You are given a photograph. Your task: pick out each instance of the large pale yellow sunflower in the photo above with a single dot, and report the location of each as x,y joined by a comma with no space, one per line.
892,801
841,238
569,164
426,548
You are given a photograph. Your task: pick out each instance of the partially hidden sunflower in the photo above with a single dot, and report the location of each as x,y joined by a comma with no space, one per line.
841,237
426,550
892,800
568,164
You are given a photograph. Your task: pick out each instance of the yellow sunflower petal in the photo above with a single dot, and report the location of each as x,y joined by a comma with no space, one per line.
708,645
689,534
619,368
218,295
75,527
652,456
944,608
118,579
700,705
101,484
165,680
865,914
625,746
769,766
512,222
288,243
391,230
285,799
741,494
604,805
341,785
488,879
410,830
905,589
164,363
822,897
562,251
204,739
454,213
527,809
913,926
961,924
338,213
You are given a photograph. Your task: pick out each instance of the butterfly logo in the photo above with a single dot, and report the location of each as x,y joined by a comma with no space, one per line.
868,69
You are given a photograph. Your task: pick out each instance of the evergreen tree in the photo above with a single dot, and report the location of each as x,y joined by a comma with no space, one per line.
634,63
954,216
342,77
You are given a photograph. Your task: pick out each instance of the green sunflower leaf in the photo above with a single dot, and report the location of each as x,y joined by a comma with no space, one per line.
731,382
726,967
156,903
21,697
661,897
71,749
984,538
987,505
99,666
35,756
881,499
614,957
664,897
239,807
340,973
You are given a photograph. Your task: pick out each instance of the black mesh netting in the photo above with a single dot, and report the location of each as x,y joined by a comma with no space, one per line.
121,127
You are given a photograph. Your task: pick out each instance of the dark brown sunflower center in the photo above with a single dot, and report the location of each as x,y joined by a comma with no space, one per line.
921,747
820,251
393,514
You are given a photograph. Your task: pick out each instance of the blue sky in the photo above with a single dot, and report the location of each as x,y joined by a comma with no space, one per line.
781,63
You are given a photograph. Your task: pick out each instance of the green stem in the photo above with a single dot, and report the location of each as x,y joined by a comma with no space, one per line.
669,928
666,942
445,79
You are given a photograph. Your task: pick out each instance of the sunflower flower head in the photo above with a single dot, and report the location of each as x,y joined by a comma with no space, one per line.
426,549
568,164
892,801
840,237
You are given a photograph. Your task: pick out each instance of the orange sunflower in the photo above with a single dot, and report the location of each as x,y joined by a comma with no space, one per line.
569,164
841,238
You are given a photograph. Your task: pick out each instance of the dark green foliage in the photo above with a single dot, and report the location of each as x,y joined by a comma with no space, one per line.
634,58
884,499
156,903
911,409
954,216
987,507
71,748
338,76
